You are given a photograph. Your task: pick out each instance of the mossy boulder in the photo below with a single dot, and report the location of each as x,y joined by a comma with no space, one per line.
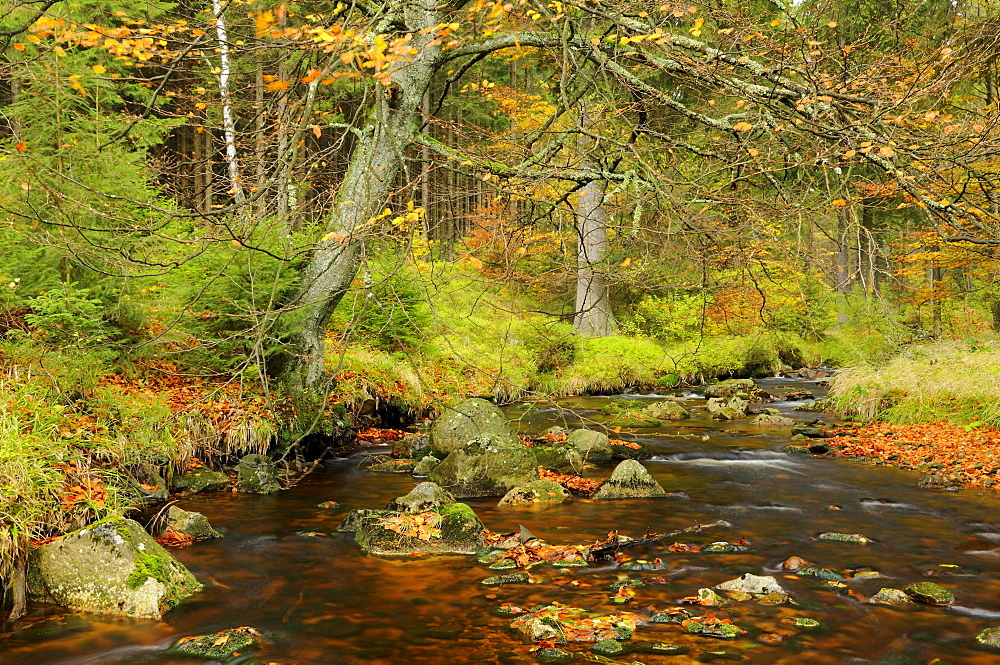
486,466
593,446
559,457
629,480
622,450
220,646
666,409
423,497
538,493
257,474
200,480
110,567
466,421
425,466
930,593
451,529
727,408
190,523
609,648
730,387
554,655
817,406
357,517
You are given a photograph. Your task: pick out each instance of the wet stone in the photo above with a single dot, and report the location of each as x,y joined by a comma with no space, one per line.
723,548
714,656
930,593
659,648
708,598
423,497
821,573
511,578
887,596
630,480
675,616
641,565
722,631
609,648
221,646
425,465
553,655
201,480
794,563
845,537
386,465
809,432
256,474
752,584
989,638
773,599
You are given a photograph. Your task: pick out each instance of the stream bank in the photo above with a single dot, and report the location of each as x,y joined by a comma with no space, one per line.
317,599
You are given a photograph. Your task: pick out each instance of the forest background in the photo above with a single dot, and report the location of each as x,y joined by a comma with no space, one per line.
248,226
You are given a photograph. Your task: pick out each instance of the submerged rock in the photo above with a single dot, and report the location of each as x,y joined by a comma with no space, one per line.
110,567
451,529
593,446
221,646
538,493
666,409
659,648
509,578
201,480
609,648
809,432
630,480
423,497
486,466
930,593
471,419
752,584
554,655
190,523
256,474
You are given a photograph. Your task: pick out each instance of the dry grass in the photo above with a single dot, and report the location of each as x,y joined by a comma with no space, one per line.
941,381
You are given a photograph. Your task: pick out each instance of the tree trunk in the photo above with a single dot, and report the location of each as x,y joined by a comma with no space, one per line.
593,304
391,126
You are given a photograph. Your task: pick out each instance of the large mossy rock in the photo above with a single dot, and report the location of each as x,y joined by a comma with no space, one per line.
559,457
256,474
469,420
190,523
110,567
538,493
486,466
630,480
730,387
451,529
423,497
666,409
201,480
593,446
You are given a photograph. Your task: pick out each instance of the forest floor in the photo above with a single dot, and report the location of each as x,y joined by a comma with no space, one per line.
954,453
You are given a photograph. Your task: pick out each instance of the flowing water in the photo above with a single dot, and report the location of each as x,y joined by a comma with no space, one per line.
319,600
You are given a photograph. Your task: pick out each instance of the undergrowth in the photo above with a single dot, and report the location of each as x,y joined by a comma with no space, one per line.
955,381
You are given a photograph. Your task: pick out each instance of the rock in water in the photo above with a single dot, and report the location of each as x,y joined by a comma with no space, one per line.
752,584
593,446
110,567
471,419
218,646
191,524
666,409
731,387
928,592
451,529
773,420
989,638
423,497
486,466
559,457
630,480
888,596
256,474
538,493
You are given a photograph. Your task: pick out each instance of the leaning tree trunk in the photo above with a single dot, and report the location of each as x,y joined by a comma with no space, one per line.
377,157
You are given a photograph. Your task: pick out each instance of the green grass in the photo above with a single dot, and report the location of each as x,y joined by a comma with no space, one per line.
954,381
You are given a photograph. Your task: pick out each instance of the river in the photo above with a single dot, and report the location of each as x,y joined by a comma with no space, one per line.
318,600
